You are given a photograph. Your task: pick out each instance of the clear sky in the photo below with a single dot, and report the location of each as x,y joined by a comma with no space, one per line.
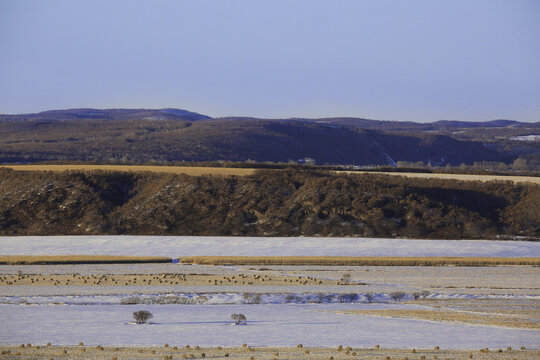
417,60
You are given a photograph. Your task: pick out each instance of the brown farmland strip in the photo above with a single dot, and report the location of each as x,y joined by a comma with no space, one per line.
78,259
357,261
84,352
187,170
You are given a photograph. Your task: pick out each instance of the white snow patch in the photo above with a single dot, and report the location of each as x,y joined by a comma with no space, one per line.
526,138
174,246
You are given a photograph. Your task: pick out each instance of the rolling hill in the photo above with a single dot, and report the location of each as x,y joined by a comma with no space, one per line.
167,135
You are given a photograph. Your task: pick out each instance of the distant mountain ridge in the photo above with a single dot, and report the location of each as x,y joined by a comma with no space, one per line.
109,114
165,135
174,113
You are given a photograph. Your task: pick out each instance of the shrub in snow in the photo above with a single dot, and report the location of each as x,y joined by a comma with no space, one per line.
346,278
422,295
369,297
142,316
239,319
398,295
165,299
132,300
252,298
291,298
347,298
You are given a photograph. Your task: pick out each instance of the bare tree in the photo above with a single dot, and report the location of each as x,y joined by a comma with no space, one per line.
239,319
346,278
422,295
398,295
142,316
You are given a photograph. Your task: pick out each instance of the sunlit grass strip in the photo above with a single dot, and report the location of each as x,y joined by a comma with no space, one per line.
78,259
461,177
357,261
187,170
452,316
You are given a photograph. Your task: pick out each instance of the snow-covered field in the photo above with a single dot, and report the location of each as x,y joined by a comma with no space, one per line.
286,315
268,325
175,246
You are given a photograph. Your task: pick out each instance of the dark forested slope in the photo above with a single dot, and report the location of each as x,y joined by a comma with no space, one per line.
271,203
183,139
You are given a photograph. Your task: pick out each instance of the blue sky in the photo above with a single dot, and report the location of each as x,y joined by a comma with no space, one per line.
404,60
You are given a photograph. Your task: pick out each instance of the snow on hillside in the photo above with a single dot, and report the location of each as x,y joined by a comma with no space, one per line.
268,325
526,138
175,246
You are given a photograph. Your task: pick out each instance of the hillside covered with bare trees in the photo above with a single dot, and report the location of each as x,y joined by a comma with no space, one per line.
289,202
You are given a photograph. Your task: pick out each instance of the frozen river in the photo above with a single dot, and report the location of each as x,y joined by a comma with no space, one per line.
176,246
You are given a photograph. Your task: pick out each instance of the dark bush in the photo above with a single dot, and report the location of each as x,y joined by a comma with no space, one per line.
239,319
142,316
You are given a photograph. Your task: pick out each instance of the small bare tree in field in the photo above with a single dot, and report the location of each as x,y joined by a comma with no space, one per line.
346,278
142,316
239,319
398,295
369,297
422,295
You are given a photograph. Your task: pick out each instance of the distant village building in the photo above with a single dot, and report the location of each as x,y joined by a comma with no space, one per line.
306,161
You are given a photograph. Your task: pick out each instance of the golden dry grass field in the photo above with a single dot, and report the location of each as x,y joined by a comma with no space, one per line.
187,170
357,261
270,260
166,352
462,177
200,171
78,259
